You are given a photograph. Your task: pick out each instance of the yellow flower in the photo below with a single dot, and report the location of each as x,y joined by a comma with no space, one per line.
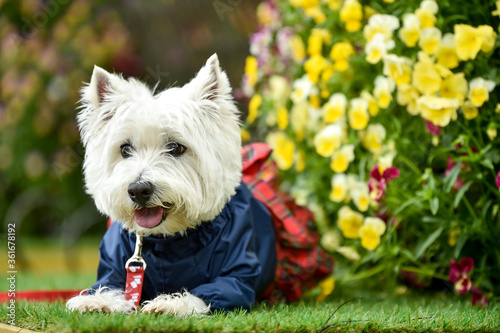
351,14
426,13
328,140
326,288
383,91
370,232
314,66
300,161
253,108
330,240
251,68
454,86
426,77
453,236
446,52
358,114
410,32
245,135
361,196
438,110
315,101
373,137
341,158
349,222
488,36
298,48
334,4
339,188
492,133
377,48
372,103
407,95
381,24
469,110
316,13
397,68
335,108
305,4
302,88
340,54
283,149
282,118
298,119
279,90
316,39
429,39
470,40
479,90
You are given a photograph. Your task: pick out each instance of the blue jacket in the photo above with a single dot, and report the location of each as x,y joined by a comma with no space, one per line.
226,262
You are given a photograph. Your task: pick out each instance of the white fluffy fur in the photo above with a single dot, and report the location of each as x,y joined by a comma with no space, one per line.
201,116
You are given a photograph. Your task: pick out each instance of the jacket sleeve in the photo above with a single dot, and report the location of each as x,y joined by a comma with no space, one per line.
114,251
234,264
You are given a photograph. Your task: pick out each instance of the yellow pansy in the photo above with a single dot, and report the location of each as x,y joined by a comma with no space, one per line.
339,188
279,90
282,118
454,86
253,108
469,110
453,236
377,48
479,91
351,14
298,48
334,4
316,13
305,4
410,32
283,149
381,24
349,222
488,36
438,110
426,13
372,103
429,39
341,158
300,160
314,66
407,95
328,140
302,88
370,232
397,68
469,40
360,195
340,54
426,77
446,52
316,39
383,91
335,108
373,137
326,288
299,115
251,67
358,114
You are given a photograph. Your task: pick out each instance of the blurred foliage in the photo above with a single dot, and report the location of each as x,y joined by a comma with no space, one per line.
350,92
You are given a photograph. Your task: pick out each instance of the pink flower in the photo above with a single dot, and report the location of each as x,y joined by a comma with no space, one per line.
478,298
450,165
433,129
497,180
459,274
377,183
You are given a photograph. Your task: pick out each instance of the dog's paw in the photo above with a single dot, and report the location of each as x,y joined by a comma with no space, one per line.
104,300
177,304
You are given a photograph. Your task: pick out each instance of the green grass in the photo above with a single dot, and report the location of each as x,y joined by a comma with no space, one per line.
413,313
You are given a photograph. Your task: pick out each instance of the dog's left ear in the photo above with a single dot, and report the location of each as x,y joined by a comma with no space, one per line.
211,83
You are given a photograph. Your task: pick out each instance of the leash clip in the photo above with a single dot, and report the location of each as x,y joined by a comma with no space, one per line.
137,256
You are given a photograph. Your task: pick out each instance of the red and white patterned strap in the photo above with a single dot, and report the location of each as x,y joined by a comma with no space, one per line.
135,274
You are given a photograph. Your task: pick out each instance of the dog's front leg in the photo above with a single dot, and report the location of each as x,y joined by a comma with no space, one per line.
178,304
103,300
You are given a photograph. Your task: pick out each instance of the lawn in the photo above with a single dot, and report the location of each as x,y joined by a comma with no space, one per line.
368,312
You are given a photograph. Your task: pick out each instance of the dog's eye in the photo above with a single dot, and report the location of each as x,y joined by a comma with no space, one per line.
175,149
126,150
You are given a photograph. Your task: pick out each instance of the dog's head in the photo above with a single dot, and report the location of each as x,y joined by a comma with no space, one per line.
160,163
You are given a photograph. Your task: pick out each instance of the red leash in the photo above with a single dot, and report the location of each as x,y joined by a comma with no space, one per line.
135,274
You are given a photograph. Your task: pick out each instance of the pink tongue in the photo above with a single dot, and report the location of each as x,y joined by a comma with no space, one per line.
148,217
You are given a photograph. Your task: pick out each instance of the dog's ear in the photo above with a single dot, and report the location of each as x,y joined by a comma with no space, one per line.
211,83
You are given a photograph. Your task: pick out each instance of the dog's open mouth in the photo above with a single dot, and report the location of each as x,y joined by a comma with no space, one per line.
150,217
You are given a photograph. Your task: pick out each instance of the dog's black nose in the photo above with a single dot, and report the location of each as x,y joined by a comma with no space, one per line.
140,192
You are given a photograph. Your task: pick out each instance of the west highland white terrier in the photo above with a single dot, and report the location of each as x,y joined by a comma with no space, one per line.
168,167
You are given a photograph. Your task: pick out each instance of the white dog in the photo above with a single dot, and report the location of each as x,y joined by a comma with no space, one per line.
168,166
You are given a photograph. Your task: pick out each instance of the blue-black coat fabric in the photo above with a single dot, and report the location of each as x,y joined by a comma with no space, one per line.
226,262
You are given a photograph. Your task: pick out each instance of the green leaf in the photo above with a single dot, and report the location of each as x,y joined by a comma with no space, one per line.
460,243
487,163
434,203
452,177
421,247
460,194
